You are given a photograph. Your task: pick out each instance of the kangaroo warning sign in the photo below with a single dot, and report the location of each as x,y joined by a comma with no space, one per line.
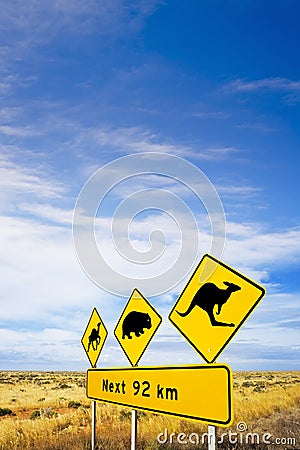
197,392
94,337
213,306
136,327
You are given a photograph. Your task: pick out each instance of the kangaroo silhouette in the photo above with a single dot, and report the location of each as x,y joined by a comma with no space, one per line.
209,295
94,337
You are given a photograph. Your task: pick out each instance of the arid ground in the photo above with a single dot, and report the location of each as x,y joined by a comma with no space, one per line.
50,411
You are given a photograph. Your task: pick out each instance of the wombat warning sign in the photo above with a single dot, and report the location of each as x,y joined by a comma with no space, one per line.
136,326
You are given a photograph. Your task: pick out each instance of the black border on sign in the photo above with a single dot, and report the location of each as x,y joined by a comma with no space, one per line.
185,416
263,291
154,310
102,323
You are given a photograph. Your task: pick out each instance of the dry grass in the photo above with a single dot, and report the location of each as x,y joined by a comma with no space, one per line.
50,411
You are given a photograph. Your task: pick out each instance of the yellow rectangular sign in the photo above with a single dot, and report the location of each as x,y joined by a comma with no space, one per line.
196,392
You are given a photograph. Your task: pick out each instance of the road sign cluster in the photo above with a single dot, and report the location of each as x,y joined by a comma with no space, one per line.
212,307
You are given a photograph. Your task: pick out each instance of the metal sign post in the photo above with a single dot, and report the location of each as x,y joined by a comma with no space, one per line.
133,429
93,425
211,437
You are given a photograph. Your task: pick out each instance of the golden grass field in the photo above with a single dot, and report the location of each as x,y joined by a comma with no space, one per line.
50,411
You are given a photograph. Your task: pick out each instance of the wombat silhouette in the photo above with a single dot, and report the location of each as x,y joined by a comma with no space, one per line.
135,322
208,296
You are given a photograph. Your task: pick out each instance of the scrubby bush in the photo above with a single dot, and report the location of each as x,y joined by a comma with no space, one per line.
5,412
47,413
35,414
73,404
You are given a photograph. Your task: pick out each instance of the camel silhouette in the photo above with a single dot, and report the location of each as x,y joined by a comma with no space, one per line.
94,337
209,295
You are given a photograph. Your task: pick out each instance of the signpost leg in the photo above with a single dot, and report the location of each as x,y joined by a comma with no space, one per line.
133,429
211,437
93,425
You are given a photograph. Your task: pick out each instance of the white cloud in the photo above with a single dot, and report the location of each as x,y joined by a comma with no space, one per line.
250,246
19,182
9,113
257,126
291,88
128,140
216,153
48,212
211,115
281,84
18,131
26,26
9,80
233,190
40,348
41,20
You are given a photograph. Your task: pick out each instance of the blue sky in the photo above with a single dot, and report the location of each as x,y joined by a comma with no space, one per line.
82,83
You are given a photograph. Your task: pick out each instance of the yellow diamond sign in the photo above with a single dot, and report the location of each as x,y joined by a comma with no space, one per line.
136,327
94,337
213,306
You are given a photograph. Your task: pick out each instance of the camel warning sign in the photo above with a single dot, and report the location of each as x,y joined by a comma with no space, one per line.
196,392
94,337
213,306
136,327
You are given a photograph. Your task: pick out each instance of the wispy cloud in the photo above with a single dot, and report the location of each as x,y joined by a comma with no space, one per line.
217,153
38,270
256,126
46,211
111,15
258,252
40,348
128,140
284,85
25,26
38,22
19,131
7,80
9,113
20,183
232,191
211,115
